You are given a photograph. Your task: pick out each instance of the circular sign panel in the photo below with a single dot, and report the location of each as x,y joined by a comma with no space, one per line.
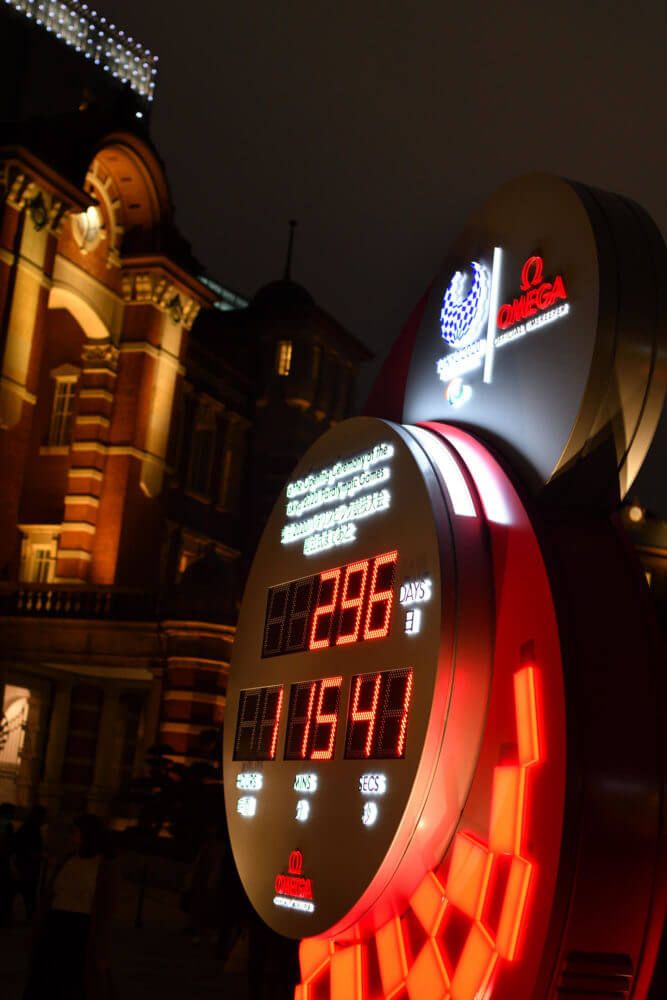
345,667
545,332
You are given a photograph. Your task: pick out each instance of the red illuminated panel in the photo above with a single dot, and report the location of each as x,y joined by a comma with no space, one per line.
433,972
319,611
392,957
352,599
258,722
324,613
378,716
313,719
378,614
527,724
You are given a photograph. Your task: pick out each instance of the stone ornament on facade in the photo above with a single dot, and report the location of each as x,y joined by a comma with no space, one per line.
22,192
100,186
140,287
103,355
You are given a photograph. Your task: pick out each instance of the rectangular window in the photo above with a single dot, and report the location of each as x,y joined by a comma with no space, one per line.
38,553
61,414
283,357
43,563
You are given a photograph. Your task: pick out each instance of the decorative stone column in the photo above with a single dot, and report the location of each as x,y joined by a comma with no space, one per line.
89,450
101,790
50,790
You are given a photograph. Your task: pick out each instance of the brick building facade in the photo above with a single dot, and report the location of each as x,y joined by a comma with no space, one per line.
144,435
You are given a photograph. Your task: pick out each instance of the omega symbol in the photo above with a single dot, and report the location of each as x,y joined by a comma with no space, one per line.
295,866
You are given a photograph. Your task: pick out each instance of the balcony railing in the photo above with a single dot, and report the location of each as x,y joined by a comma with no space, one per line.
54,600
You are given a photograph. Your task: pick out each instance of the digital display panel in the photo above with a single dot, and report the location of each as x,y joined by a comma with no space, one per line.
377,722
313,719
338,607
341,672
377,718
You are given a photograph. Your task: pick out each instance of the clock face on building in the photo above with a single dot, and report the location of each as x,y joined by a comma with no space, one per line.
343,673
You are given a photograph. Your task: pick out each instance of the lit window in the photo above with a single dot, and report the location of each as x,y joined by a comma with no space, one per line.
38,552
43,561
283,357
61,413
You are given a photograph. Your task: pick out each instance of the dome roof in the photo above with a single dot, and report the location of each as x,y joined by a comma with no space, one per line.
281,298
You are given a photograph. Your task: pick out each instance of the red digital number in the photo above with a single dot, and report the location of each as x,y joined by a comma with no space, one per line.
396,718
258,721
326,719
271,720
368,715
325,609
377,723
377,597
347,603
309,718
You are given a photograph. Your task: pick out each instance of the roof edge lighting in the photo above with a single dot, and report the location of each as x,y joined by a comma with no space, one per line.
91,34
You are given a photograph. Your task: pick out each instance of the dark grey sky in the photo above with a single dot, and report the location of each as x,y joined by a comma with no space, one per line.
382,125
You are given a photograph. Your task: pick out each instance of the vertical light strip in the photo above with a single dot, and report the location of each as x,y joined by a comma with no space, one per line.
493,312
459,494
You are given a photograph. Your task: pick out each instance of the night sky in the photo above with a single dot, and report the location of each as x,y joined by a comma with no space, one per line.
381,127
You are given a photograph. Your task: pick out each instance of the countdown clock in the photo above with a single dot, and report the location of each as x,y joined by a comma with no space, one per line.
443,751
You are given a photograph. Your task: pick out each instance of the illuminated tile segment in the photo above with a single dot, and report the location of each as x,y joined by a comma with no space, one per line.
347,973
428,979
468,875
514,907
527,721
507,805
392,958
314,956
469,975
475,967
428,903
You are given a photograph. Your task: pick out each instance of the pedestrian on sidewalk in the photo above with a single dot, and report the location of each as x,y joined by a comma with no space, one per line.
29,857
71,950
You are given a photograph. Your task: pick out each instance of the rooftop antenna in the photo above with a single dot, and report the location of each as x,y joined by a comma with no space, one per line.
288,263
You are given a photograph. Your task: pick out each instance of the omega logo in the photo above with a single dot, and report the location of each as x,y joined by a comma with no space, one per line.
295,866
538,294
